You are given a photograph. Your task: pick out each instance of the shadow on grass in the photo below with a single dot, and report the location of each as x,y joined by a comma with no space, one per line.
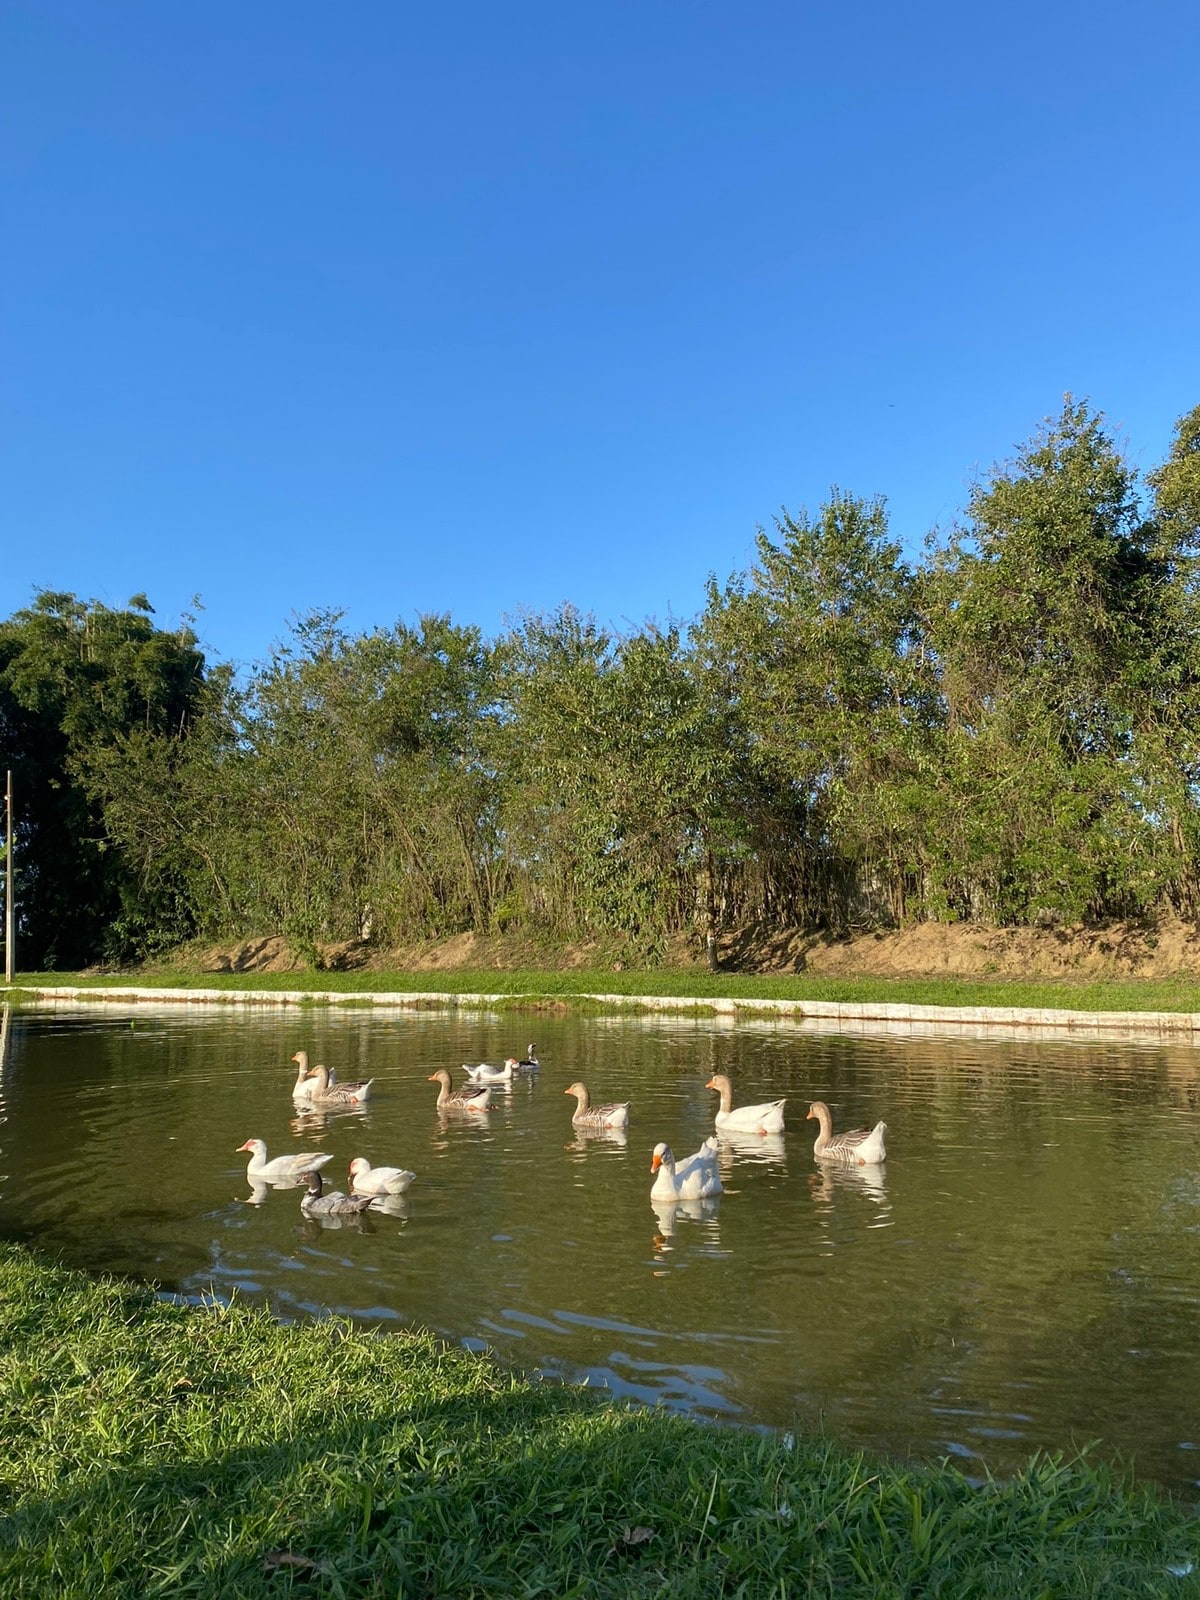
156,1449
533,1493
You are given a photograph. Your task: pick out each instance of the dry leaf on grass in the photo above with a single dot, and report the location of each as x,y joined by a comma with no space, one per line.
275,1559
629,1538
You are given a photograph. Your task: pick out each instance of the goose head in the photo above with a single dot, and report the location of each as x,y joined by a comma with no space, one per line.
662,1157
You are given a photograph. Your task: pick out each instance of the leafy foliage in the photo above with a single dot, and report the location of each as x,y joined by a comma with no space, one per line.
81,686
1009,731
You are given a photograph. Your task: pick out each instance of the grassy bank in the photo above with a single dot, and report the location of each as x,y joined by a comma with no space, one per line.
1177,994
154,1449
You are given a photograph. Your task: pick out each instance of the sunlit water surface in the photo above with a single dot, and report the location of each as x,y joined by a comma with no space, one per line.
1023,1273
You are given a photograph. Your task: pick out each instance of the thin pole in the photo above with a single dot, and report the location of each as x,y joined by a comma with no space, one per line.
10,918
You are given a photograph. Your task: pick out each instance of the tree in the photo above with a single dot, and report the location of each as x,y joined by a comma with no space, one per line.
357,800
1167,721
820,647
76,680
1044,611
550,749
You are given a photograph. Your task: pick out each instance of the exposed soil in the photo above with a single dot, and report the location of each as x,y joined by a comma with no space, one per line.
1117,950
1160,949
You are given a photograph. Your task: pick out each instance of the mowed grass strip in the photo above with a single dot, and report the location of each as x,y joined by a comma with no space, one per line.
156,1449
1176,994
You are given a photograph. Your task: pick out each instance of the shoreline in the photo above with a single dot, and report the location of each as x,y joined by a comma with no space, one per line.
833,1015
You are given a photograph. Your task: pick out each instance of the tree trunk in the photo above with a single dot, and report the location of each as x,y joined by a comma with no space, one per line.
710,914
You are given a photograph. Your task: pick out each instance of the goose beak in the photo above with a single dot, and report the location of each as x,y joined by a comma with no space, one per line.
655,1163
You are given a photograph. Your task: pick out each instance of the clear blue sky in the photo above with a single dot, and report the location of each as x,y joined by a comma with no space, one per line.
473,307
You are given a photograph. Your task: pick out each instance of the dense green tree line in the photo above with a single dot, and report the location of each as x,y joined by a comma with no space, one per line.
1006,731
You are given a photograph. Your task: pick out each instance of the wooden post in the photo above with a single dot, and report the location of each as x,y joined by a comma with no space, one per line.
10,901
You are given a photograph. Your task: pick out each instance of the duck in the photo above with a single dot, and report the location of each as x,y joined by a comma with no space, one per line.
260,1170
366,1179
334,1204
484,1073
694,1178
529,1061
587,1115
465,1099
764,1118
328,1093
861,1147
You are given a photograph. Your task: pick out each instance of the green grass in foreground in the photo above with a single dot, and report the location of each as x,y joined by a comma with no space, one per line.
1167,994
154,1449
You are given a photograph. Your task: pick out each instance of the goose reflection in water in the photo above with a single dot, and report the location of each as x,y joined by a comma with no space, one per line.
316,1120
825,1183
671,1212
767,1148
597,1136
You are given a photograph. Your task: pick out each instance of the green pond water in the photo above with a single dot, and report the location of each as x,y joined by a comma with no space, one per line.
1023,1273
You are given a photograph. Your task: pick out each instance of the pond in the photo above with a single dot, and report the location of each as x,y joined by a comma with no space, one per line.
1023,1273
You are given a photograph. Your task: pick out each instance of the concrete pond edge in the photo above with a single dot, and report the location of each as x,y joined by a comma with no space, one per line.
827,1015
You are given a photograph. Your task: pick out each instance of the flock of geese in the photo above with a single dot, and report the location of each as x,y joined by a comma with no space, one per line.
695,1177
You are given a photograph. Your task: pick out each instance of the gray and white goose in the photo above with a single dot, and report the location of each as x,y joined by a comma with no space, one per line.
586,1115
328,1093
320,1085
315,1203
860,1147
468,1098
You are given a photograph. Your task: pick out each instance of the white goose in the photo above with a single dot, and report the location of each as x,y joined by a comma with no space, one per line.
484,1073
764,1118
861,1147
366,1179
694,1178
586,1115
260,1170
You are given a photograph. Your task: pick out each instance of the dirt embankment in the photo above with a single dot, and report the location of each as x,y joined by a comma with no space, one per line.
1162,949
